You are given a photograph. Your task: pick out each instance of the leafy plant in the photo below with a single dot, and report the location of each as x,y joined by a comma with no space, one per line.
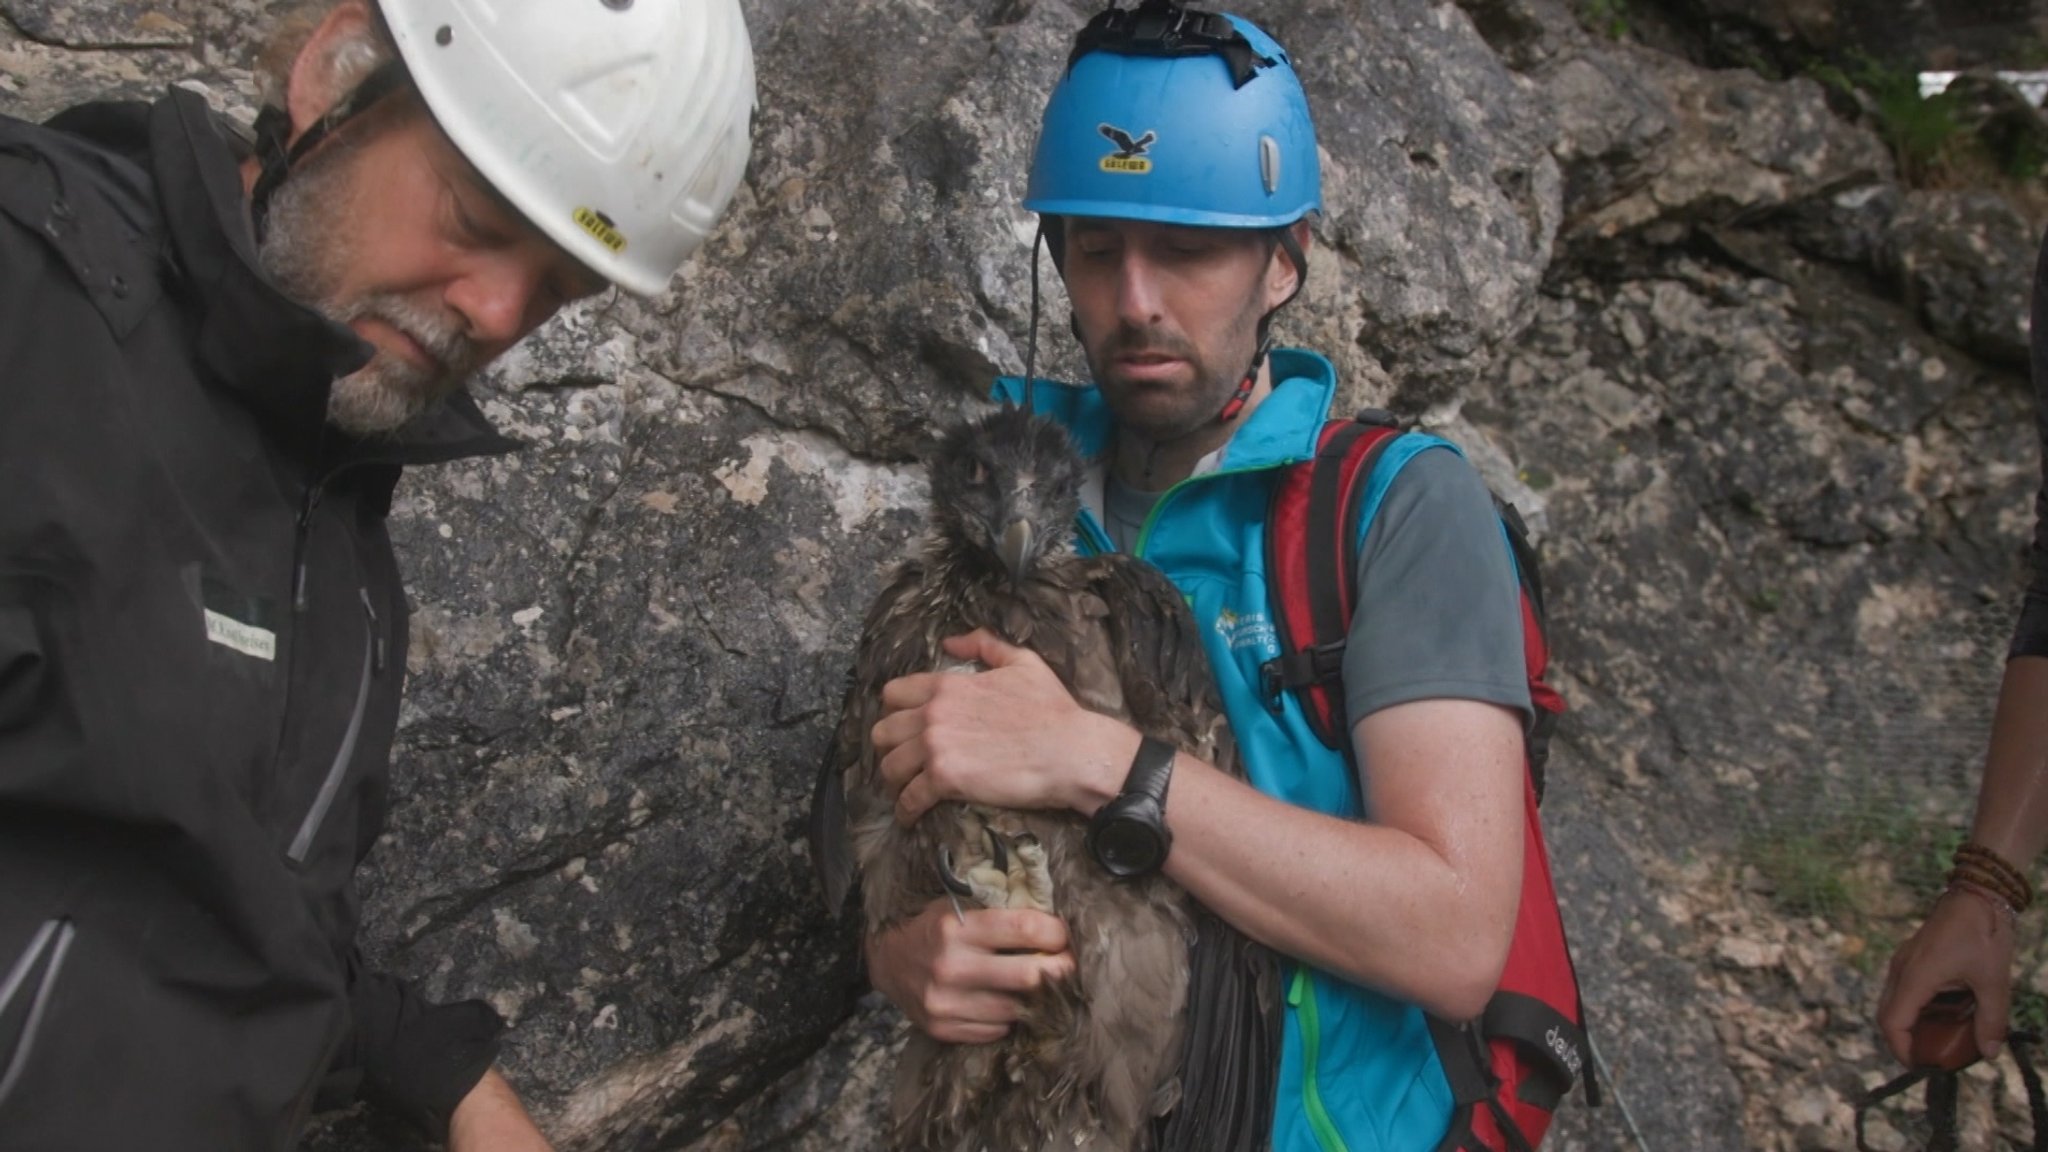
1922,131
2025,161
2029,1010
1607,17
1808,872
1847,867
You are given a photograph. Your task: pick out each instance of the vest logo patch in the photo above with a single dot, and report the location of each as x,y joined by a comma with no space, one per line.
1252,630
247,639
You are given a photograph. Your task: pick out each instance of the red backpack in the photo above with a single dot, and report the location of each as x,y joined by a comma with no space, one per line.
1509,1069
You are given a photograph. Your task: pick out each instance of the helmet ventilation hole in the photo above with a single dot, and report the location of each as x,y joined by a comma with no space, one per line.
444,35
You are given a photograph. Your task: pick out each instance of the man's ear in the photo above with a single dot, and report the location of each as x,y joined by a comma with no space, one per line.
323,72
1283,277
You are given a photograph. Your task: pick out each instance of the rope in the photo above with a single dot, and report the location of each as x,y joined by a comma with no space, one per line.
1942,1090
1613,1090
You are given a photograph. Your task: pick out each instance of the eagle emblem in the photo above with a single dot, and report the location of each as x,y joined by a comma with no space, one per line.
1130,154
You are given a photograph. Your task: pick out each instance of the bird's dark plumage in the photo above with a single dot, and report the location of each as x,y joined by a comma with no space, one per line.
1098,1059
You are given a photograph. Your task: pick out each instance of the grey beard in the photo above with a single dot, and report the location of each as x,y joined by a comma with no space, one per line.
363,403
302,252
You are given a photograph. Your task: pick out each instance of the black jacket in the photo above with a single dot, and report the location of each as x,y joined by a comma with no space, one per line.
2031,637
202,642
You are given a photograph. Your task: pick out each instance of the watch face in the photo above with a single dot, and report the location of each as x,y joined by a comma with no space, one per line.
1127,847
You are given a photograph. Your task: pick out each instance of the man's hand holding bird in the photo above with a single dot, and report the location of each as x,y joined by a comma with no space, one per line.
1011,736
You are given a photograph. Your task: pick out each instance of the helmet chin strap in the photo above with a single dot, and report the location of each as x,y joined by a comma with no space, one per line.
1243,393
1235,405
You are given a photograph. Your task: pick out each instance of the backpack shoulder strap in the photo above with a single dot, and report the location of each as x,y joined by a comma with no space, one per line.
1313,530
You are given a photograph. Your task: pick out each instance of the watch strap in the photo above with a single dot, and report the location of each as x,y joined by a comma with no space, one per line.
1151,771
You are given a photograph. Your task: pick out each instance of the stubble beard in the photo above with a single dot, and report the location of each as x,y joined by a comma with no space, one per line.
1141,406
304,250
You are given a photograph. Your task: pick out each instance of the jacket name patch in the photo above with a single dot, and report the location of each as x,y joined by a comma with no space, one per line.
247,639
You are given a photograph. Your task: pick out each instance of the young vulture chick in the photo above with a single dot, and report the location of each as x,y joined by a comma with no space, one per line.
1098,1060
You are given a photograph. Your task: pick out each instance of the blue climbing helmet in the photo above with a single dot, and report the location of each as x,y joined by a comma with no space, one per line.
1176,116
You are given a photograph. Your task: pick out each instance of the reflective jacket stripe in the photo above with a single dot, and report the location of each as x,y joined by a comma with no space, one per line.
63,931
303,842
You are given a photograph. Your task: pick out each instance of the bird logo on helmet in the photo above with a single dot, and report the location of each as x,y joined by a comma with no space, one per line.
1130,153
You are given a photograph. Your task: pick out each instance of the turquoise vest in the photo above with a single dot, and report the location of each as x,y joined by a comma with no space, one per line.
1357,1069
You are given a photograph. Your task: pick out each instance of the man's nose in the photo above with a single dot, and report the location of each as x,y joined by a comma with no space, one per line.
498,299
1137,290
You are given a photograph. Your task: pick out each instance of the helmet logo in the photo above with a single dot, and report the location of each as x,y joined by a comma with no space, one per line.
601,228
1130,152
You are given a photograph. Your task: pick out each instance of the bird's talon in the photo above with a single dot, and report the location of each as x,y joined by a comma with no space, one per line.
948,879
998,851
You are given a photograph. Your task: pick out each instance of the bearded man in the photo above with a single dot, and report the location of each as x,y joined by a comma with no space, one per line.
215,359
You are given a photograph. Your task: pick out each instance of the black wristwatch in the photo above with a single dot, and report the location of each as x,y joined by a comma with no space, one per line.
1128,835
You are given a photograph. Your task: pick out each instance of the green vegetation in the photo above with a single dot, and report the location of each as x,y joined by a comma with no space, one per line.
2029,1010
1808,872
1607,17
2024,161
1855,866
1930,137
1922,131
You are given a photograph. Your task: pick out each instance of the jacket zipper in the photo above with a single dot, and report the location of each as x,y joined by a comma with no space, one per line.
372,662
302,530
1301,996
55,937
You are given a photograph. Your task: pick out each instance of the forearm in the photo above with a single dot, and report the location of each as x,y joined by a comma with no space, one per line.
491,1119
1420,902
2012,803
1368,902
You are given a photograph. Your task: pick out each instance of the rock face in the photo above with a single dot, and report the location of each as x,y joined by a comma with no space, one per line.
1765,402
1905,34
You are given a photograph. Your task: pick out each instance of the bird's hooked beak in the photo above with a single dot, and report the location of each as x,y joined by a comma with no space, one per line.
1015,549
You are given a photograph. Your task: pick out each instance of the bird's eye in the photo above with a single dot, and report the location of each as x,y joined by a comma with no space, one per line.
979,475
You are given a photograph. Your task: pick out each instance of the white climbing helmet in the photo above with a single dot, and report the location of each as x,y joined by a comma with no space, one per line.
620,128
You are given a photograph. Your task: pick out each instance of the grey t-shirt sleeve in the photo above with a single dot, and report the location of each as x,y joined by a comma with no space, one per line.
1439,610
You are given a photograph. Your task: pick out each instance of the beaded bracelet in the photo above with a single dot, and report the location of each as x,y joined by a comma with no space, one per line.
2012,914
1971,872
1982,862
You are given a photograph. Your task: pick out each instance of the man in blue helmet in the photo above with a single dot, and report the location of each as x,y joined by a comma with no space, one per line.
1174,176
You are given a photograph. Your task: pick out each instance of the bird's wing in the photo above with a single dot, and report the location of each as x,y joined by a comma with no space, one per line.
893,642
1115,135
1232,1043
1160,664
